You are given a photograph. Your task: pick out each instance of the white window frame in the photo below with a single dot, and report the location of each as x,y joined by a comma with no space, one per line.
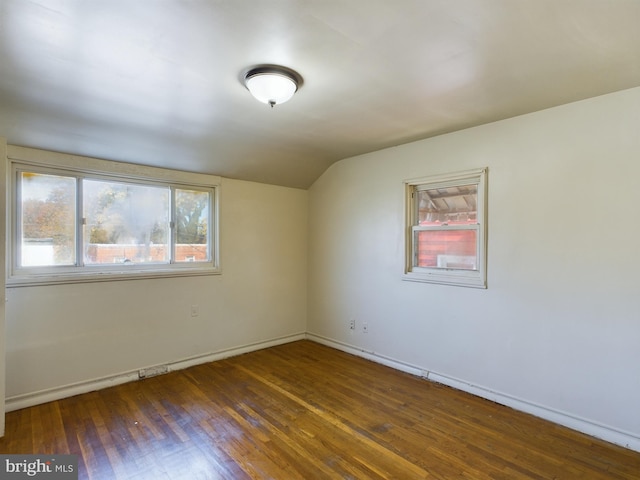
40,161
447,276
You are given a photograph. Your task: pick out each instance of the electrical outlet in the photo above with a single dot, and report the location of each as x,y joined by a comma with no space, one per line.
365,327
352,324
195,310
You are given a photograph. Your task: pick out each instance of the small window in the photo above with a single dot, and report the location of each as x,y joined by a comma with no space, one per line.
446,229
47,220
192,214
71,225
125,223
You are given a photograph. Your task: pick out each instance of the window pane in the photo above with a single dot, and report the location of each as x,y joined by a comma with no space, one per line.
452,205
125,223
192,218
454,249
47,219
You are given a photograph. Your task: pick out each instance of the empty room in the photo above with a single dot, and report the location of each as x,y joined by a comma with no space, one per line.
304,239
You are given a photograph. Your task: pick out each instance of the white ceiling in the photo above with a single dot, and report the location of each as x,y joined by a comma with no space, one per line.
157,82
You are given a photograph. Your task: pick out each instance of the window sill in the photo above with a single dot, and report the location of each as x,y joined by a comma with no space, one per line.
93,277
447,278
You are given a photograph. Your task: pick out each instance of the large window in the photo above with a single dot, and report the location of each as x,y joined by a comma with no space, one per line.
446,229
71,225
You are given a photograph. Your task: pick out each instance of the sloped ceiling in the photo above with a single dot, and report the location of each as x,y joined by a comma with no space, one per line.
157,82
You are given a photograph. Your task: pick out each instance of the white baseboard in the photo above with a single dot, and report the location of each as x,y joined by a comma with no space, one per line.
589,427
43,396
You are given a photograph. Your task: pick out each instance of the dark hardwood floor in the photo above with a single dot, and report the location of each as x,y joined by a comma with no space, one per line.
305,411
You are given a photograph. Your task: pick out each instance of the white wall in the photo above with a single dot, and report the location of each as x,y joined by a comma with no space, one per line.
68,334
3,210
557,332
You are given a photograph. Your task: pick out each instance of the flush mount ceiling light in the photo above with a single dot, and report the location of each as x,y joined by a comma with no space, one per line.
272,84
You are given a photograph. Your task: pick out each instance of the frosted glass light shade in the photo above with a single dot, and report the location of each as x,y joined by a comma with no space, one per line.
271,86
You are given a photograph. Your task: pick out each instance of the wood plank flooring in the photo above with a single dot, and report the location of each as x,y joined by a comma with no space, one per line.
305,411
